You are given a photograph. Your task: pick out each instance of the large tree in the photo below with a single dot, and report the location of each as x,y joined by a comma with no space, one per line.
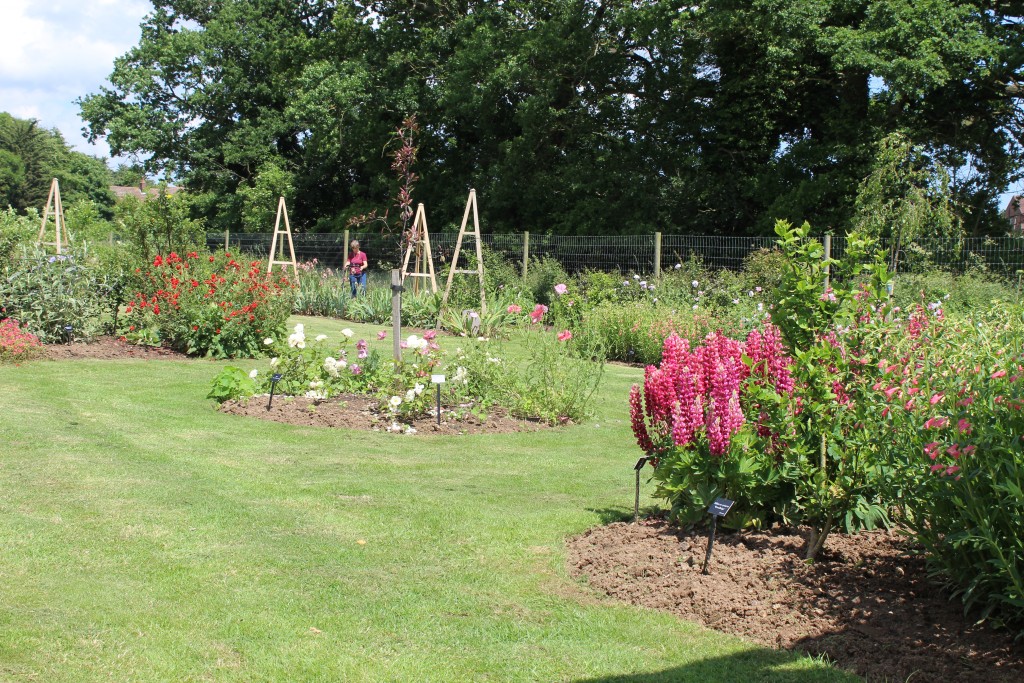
586,116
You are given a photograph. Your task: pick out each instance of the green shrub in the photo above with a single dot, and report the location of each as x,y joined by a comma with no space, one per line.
50,293
16,231
321,292
957,294
541,277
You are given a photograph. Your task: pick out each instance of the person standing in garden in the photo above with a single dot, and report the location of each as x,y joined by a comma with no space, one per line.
356,265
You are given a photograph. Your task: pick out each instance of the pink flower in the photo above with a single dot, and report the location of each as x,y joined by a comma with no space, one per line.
932,449
361,347
952,469
515,308
355,369
564,335
383,334
964,427
936,423
561,289
998,373
936,398
538,312
429,334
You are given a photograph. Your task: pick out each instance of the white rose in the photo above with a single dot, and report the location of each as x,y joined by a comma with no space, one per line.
301,344
418,389
410,396
300,328
321,337
268,341
395,401
274,362
253,373
347,332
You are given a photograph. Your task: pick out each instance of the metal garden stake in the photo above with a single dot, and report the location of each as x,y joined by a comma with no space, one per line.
636,502
274,379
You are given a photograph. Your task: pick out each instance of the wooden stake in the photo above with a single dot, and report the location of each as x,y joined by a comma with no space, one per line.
479,270
420,242
396,313
526,252
54,204
282,211
657,255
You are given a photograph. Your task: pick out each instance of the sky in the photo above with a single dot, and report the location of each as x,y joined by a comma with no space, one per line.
54,51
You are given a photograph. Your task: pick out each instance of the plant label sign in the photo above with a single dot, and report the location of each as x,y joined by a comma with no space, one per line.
276,377
640,464
721,507
437,379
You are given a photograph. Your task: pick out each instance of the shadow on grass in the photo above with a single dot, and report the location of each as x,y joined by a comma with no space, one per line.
615,514
748,666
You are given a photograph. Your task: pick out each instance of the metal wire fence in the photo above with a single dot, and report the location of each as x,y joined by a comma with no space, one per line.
645,254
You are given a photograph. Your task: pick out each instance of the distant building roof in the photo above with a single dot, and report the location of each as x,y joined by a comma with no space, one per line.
141,191
1015,212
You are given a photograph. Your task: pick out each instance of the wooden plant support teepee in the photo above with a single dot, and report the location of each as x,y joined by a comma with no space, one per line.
56,206
420,244
276,257
479,270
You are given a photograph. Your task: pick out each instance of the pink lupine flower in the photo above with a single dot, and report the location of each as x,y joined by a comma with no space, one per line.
564,335
936,398
997,374
968,450
932,449
952,469
964,427
515,308
890,391
561,289
383,334
538,312
429,334
936,423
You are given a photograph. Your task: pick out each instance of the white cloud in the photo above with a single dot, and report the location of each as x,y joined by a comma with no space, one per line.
56,51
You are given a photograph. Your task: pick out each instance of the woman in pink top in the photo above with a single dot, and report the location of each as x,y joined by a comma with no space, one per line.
356,265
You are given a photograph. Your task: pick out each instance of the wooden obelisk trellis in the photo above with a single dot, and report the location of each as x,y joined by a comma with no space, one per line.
276,257
479,270
423,264
56,206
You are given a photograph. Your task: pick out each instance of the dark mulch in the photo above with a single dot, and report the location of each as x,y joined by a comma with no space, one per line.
108,348
354,411
866,604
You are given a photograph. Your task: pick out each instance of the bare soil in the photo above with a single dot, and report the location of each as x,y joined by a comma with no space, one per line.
354,411
108,348
867,604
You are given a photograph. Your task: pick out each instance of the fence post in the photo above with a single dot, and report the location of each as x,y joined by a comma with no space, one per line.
657,255
526,252
227,238
396,313
828,255
344,249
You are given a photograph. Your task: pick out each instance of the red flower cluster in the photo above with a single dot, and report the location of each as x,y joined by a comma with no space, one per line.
16,343
697,392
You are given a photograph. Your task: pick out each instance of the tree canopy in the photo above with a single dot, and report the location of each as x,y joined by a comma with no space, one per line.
570,116
31,156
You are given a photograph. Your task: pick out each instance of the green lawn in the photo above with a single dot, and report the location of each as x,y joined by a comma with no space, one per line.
146,537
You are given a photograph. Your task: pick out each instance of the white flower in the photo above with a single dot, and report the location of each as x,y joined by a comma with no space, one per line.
268,341
253,373
331,366
760,307
460,375
298,339
395,427
321,337
315,384
496,361
650,287
655,299
643,284
678,266
301,344
410,396
636,277
274,362
735,301
695,307
300,328
347,332
750,293
342,364
416,343
482,339
395,401
418,389
316,395
410,430
625,283
695,284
